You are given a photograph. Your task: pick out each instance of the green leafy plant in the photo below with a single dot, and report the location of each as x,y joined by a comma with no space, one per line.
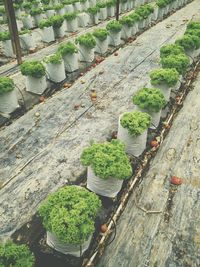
58,7
56,21
2,10
4,36
193,25
69,213
171,49
101,34
45,2
68,48
195,32
70,16
27,5
149,99
107,160
25,31
6,85
35,11
179,62
135,122
86,40
12,255
189,42
101,4
161,3
144,11
45,8
45,23
54,59
135,17
110,3
164,76
93,10
33,68
114,26
127,20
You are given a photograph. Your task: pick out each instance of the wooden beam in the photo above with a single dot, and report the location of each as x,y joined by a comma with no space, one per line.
12,24
117,10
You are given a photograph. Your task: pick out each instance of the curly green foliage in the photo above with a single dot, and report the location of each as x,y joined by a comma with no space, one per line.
58,7
2,10
194,25
45,2
114,26
161,3
179,62
25,31
70,16
101,4
86,40
100,34
45,8
127,20
195,32
164,76
149,99
45,23
135,17
6,85
12,255
4,36
54,59
171,49
93,10
69,213
35,11
56,21
27,5
135,122
110,3
189,42
68,48
107,160
33,68
144,11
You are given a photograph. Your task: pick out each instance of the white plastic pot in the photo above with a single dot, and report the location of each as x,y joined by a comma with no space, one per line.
36,85
114,38
103,13
69,8
155,14
38,18
77,6
50,13
83,19
101,46
111,11
134,145
61,11
126,32
72,25
27,42
92,3
56,72
60,32
192,54
160,13
8,49
86,54
85,5
65,248
108,188
8,102
71,62
135,28
123,6
48,34
27,22
93,19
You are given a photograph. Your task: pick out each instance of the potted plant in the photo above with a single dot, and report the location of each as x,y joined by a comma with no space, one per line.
127,24
151,101
179,62
55,68
17,9
108,165
83,19
68,5
190,43
69,54
123,4
84,4
102,10
171,49
144,12
72,22
47,31
101,38
7,44
132,130
49,11
68,216
27,21
60,10
87,44
16,255
35,76
26,40
93,14
136,19
77,5
114,29
37,15
58,25
27,6
8,97
165,80
111,8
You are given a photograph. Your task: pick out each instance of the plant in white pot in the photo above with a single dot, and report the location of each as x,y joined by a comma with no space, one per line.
101,37
68,4
49,11
179,62
69,54
124,5
93,14
26,40
127,25
108,166
136,19
8,96
7,44
114,29
71,21
171,50
27,21
111,8
132,130
47,31
37,15
83,19
77,6
55,68
15,255
58,25
102,10
60,10
17,9
87,44
151,101
35,76
165,80
84,4
68,216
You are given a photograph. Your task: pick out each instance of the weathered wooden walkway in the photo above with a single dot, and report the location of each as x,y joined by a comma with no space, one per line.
40,151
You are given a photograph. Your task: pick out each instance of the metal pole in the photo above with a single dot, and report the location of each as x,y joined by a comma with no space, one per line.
117,10
12,24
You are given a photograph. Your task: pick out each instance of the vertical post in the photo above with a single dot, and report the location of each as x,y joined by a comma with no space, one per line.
12,24
117,10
